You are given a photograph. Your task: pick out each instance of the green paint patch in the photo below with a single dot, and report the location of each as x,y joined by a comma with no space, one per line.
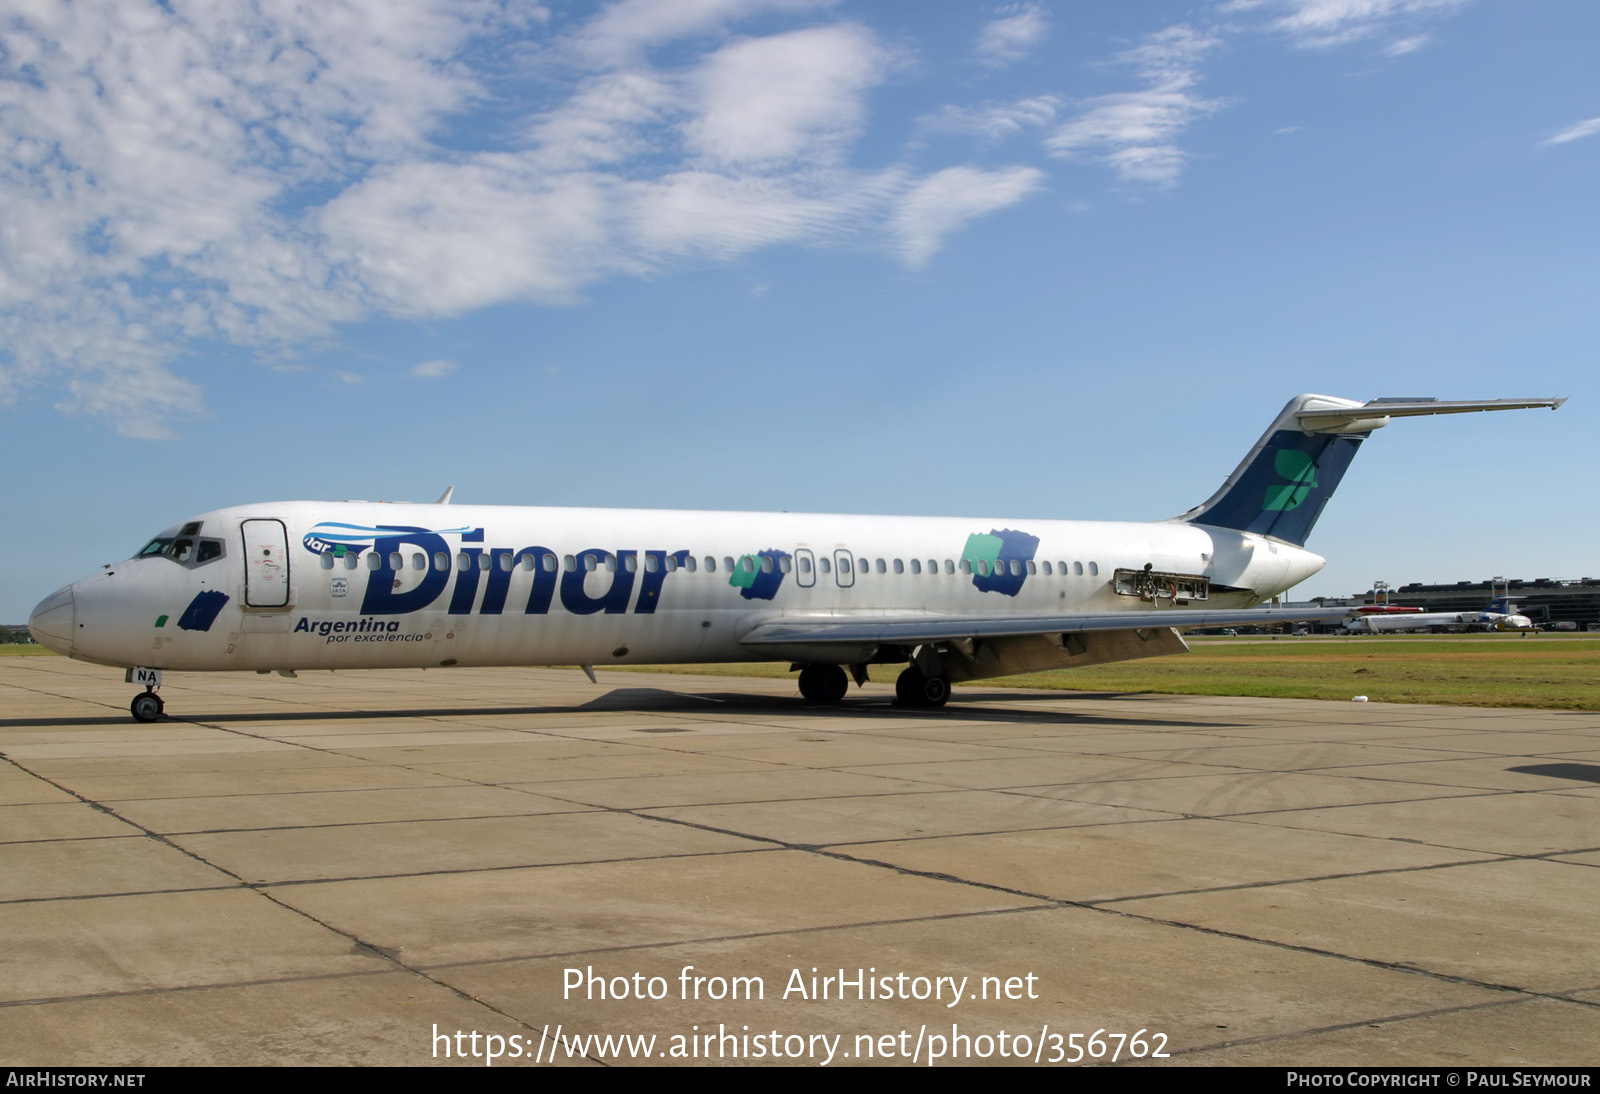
161,621
744,572
982,547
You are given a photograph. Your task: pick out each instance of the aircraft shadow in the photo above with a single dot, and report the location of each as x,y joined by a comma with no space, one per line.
662,701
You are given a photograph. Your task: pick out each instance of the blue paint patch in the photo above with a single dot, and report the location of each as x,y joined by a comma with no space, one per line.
202,611
338,539
1016,551
764,586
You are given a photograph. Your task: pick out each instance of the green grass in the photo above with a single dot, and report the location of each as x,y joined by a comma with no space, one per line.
1542,672
24,649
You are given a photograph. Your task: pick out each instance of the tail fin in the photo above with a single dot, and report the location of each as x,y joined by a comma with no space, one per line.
1282,485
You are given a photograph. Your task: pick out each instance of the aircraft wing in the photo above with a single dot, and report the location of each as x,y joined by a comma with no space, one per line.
855,628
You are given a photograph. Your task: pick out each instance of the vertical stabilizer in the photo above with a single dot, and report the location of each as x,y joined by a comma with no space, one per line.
1280,488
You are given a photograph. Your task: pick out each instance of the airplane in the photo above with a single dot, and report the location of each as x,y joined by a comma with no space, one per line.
302,585
1500,615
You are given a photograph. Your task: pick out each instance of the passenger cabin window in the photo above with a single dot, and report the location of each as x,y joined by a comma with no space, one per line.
711,565
327,561
419,561
441,561
1094,567
916,565
351,560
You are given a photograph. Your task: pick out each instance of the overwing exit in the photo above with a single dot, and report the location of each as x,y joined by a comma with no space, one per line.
287,586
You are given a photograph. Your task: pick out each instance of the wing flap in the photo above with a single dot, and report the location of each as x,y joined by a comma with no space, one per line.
913,630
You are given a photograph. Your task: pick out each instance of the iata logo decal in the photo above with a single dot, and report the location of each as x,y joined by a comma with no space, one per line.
333,538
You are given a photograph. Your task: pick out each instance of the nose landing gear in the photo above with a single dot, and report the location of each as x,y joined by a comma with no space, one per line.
146,706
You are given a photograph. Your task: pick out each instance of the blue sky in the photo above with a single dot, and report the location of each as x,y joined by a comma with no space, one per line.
1040,259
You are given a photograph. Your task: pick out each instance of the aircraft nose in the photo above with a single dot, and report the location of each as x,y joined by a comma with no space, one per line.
52,622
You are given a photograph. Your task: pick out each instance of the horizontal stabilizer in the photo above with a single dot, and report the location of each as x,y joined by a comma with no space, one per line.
1280,488
1377,412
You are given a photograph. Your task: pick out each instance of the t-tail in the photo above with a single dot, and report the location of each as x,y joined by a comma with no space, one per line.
1282,485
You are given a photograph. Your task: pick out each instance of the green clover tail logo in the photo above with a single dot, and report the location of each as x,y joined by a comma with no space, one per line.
1301,471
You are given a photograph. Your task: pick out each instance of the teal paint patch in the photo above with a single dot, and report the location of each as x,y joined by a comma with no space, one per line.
743,578
982,548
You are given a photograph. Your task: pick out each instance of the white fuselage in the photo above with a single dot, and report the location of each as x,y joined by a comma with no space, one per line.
304,585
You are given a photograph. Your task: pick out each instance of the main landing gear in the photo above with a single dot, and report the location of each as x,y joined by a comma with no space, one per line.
914,688
823,683
146,706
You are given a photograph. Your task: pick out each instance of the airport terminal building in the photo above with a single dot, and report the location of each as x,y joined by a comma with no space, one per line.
1544,600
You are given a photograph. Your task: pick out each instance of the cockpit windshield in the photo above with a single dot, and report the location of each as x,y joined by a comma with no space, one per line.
184,548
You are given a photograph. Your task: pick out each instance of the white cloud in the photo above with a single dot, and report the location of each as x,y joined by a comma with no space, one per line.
624,29
434,370
1324,24
787,96
1136,133
1575,132
1402,46
994,121
1014,35
946,200
177,171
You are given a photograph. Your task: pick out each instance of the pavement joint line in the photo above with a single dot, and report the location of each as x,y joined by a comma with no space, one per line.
1295,1035
259,890
743,936
1101,906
